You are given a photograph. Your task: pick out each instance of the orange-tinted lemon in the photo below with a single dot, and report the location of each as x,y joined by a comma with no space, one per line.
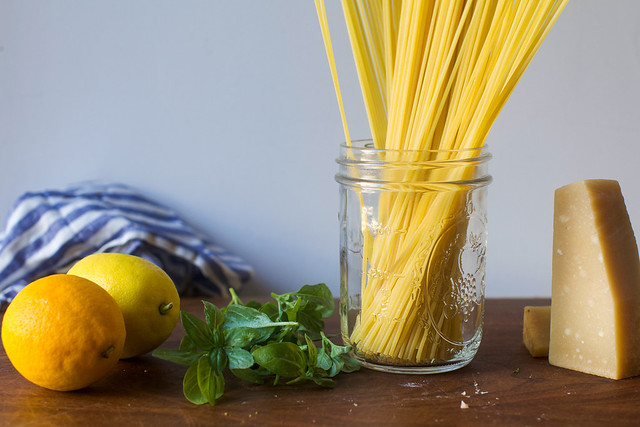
63,332
145,293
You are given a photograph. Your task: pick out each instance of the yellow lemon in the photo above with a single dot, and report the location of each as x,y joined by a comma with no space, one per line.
145,293
63,332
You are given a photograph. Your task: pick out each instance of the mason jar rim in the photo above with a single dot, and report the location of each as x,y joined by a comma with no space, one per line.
366,146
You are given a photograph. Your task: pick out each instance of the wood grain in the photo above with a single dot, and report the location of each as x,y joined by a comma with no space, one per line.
503,385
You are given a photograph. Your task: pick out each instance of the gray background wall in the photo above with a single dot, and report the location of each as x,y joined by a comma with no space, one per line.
225,111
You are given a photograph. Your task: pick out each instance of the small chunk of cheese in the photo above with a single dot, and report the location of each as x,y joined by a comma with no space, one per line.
535,330
595,297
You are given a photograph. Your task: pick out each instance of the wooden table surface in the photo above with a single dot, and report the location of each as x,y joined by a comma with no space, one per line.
502,385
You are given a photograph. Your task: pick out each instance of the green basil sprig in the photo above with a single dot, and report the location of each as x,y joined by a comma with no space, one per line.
259,341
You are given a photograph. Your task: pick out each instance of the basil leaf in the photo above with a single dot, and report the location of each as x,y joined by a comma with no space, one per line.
246,326
219,379
292,311
254,304
211,384
336,367
218,360
287,306
243,316
323,382
247,336
187,344
350,364
315,336
176,356
334,350
218,338
324,360
197,330
339,358
310,318
248,375
239,358
312,350
213,315
190,386
283,359
320,296
271,310
338,350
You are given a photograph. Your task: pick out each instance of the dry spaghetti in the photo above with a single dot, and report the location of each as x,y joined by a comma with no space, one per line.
434,75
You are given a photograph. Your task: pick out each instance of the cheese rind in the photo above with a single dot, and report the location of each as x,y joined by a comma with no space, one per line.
595,298
535,330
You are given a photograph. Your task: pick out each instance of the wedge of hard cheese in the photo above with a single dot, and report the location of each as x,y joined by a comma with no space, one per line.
535,330
595,297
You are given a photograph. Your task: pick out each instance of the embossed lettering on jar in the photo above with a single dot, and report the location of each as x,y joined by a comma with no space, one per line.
413,238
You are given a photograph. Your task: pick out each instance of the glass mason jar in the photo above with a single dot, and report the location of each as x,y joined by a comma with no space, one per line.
413,236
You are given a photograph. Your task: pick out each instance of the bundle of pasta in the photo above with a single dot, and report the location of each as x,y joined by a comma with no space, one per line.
434,75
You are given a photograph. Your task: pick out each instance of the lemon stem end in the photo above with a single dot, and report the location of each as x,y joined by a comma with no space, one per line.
164,308
108,352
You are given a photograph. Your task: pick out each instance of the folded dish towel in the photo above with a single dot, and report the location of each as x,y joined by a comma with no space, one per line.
48,231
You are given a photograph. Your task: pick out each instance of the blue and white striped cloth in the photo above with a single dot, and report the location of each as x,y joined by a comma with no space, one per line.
48,231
